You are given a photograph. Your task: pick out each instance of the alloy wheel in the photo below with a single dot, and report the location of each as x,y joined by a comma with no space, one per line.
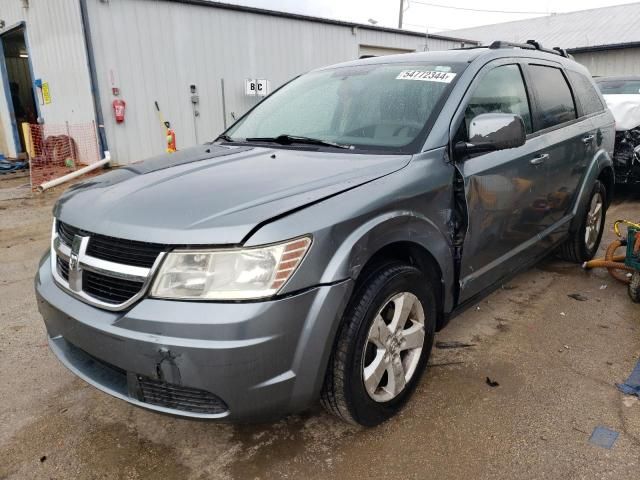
394,346
594,221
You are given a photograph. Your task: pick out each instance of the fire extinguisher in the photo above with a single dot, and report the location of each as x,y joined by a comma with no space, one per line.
171,138
118,109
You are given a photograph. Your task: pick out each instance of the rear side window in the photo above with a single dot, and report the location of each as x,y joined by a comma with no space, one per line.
553,96
502,90
586,93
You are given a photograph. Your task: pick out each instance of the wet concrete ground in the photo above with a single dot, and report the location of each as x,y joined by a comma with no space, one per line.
556,360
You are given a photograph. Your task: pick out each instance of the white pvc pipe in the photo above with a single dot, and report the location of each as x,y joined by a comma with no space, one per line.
77,173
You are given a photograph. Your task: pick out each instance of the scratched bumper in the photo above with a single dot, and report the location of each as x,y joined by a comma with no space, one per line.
262,359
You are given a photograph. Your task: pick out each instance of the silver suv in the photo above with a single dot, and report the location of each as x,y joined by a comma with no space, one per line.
313,250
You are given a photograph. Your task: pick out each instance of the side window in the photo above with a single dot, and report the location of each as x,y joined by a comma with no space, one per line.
501,90
586,92
553,96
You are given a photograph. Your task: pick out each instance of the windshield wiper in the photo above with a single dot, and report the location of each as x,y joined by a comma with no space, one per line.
290,139
224,137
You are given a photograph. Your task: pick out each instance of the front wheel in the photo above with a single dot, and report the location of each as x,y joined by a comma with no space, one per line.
382,346
583,244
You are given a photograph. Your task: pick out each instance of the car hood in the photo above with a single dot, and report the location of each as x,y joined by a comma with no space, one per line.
213,194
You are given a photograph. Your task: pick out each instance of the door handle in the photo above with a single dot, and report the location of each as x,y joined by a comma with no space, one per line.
539,159
587,139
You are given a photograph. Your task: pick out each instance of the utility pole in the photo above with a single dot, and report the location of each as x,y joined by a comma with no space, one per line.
400,14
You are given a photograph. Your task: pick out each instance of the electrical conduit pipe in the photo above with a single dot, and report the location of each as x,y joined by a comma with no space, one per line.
77,173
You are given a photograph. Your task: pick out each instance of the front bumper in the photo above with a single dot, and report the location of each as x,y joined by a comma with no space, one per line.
261,360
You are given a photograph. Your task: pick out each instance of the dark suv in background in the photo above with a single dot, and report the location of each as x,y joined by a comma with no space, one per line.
313,249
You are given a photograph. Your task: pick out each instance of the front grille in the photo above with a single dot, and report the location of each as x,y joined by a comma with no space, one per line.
118,250
67,232
178,397
63,268
109,289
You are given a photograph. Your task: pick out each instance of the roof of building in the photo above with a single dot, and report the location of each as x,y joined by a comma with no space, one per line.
296,16
585,30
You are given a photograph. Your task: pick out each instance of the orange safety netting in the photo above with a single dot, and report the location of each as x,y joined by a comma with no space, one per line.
58,149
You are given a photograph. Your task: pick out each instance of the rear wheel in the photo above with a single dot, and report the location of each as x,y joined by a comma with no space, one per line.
584,242
382,346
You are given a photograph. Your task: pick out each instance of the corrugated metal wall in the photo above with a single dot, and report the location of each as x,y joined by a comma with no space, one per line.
154,50
611,62
58,55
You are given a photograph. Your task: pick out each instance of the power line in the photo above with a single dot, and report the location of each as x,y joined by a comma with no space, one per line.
451,7
439,27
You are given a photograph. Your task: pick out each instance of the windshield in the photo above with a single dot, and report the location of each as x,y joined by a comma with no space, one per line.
375,107
619,87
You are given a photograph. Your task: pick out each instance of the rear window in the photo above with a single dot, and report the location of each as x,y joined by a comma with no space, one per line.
586,93
553,95
619,87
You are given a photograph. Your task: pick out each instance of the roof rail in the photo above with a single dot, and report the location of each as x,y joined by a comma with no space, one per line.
529,45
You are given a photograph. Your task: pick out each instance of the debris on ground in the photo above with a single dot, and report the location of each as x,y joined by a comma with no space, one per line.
603,437
492,383
632,385
578,296
454,344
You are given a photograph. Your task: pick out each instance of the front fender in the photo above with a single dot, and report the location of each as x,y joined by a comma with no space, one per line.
411,205
391,227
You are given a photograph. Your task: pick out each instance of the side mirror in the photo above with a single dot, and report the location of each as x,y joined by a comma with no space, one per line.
493,131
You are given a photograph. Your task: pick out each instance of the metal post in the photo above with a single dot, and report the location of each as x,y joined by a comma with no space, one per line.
224,105
400,14
426,39
70,140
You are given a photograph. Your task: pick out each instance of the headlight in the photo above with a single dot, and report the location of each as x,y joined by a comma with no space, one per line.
233,274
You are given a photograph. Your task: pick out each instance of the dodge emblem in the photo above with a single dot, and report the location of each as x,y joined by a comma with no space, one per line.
75,269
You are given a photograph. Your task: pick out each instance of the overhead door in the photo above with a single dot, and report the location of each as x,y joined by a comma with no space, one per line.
380,51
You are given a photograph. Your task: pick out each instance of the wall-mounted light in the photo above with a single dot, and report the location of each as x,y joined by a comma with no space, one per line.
24,55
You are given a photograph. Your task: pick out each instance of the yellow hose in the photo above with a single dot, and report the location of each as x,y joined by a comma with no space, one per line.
613,263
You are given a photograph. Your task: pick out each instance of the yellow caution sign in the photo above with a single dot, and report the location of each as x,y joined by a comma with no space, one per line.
46,94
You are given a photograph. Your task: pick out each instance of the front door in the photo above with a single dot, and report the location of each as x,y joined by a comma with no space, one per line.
504,189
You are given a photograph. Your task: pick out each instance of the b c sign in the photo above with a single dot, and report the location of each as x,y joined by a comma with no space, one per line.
259,87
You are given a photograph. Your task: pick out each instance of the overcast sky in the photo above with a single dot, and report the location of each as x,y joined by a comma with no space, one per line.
419,16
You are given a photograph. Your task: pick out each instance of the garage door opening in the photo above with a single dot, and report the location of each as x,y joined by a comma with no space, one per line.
18,79
370,50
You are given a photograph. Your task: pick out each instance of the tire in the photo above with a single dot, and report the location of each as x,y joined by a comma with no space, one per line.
383,290
577,248
634,287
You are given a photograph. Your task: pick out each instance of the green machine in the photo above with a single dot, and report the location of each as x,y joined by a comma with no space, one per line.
632,260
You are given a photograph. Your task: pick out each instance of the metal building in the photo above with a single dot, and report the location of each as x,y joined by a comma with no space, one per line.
196,58
605,40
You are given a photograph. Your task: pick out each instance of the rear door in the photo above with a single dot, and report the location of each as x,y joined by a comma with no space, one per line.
570,140
503,188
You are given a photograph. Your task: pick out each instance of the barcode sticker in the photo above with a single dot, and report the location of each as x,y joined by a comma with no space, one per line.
426,76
